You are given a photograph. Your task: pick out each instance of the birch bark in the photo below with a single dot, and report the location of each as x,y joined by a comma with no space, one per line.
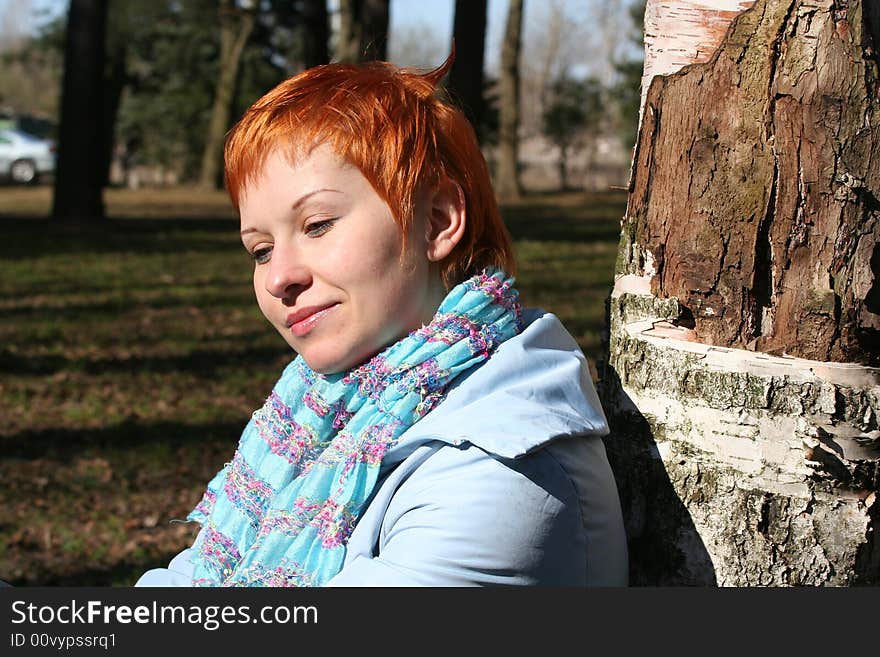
741,382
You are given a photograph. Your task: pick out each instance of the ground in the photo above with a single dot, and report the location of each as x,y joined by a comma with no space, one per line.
132,354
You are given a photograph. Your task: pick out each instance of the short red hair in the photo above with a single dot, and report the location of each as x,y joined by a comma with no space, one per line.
392,125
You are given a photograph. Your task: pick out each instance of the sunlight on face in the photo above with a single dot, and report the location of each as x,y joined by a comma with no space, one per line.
329,274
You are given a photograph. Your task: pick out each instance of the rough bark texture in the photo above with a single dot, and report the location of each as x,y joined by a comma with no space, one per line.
738,468
756,182
235,29
507,184
466,76
80,174
743,236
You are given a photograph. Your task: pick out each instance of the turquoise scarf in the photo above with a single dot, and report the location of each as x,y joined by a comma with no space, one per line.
280,513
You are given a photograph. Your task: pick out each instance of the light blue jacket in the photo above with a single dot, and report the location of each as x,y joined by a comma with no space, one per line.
505,482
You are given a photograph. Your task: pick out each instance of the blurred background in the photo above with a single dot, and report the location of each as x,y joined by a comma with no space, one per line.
131,350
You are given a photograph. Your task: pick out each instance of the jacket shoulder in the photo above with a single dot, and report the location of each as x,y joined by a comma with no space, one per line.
466,517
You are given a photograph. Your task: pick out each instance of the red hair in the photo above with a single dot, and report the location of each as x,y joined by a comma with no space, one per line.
391,124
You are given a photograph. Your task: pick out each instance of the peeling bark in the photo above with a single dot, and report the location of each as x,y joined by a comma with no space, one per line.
739,468
741,379
760,209
683,32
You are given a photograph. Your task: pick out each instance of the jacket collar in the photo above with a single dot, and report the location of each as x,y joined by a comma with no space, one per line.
535,388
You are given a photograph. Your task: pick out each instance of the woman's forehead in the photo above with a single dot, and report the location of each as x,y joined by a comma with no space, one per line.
291,170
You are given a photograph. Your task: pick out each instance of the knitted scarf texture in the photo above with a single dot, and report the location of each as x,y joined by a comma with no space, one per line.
281,512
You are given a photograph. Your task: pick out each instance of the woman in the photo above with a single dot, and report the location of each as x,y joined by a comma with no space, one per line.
430,432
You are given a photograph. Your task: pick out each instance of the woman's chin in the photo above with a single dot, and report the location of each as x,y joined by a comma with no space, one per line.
327,363
319,359
332,362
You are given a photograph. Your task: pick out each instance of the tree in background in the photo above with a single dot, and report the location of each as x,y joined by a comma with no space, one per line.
115,79
79,179
30,66
161,69
162,66
236,25
173,64
125,23
466,79
314,33
166,105
563,38
507,183
551,41
571,117
292,35
363,30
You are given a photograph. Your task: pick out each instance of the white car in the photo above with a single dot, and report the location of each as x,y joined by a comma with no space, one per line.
23,157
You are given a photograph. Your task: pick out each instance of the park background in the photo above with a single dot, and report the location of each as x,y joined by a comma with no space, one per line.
131,350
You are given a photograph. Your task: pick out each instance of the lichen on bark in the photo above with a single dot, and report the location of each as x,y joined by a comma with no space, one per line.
737,468
751,238
754,195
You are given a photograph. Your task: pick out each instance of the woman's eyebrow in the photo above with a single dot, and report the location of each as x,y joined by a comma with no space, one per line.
298,203
305,197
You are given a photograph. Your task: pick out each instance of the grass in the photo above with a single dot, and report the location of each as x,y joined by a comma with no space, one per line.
132,353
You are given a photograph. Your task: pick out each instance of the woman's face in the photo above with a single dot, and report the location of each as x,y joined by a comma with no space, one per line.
329,274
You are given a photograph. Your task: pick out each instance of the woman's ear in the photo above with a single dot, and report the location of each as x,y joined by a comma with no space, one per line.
446,219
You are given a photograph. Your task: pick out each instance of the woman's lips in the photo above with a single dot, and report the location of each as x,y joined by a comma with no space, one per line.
305,319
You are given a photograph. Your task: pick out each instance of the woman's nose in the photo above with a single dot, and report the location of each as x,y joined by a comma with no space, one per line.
287,272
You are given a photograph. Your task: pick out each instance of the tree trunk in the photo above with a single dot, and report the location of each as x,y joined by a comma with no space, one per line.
316,33
466,77
114,83
79,176
740,382
235,28
563,167
507,184
363,30
374,29
682,32
347,40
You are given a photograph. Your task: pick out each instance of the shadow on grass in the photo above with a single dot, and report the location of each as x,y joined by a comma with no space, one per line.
201,361
231,296
58,442
25,236
587,221
121,573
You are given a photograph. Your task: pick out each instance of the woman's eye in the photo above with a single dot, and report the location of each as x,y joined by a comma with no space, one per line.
318,228
261,255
